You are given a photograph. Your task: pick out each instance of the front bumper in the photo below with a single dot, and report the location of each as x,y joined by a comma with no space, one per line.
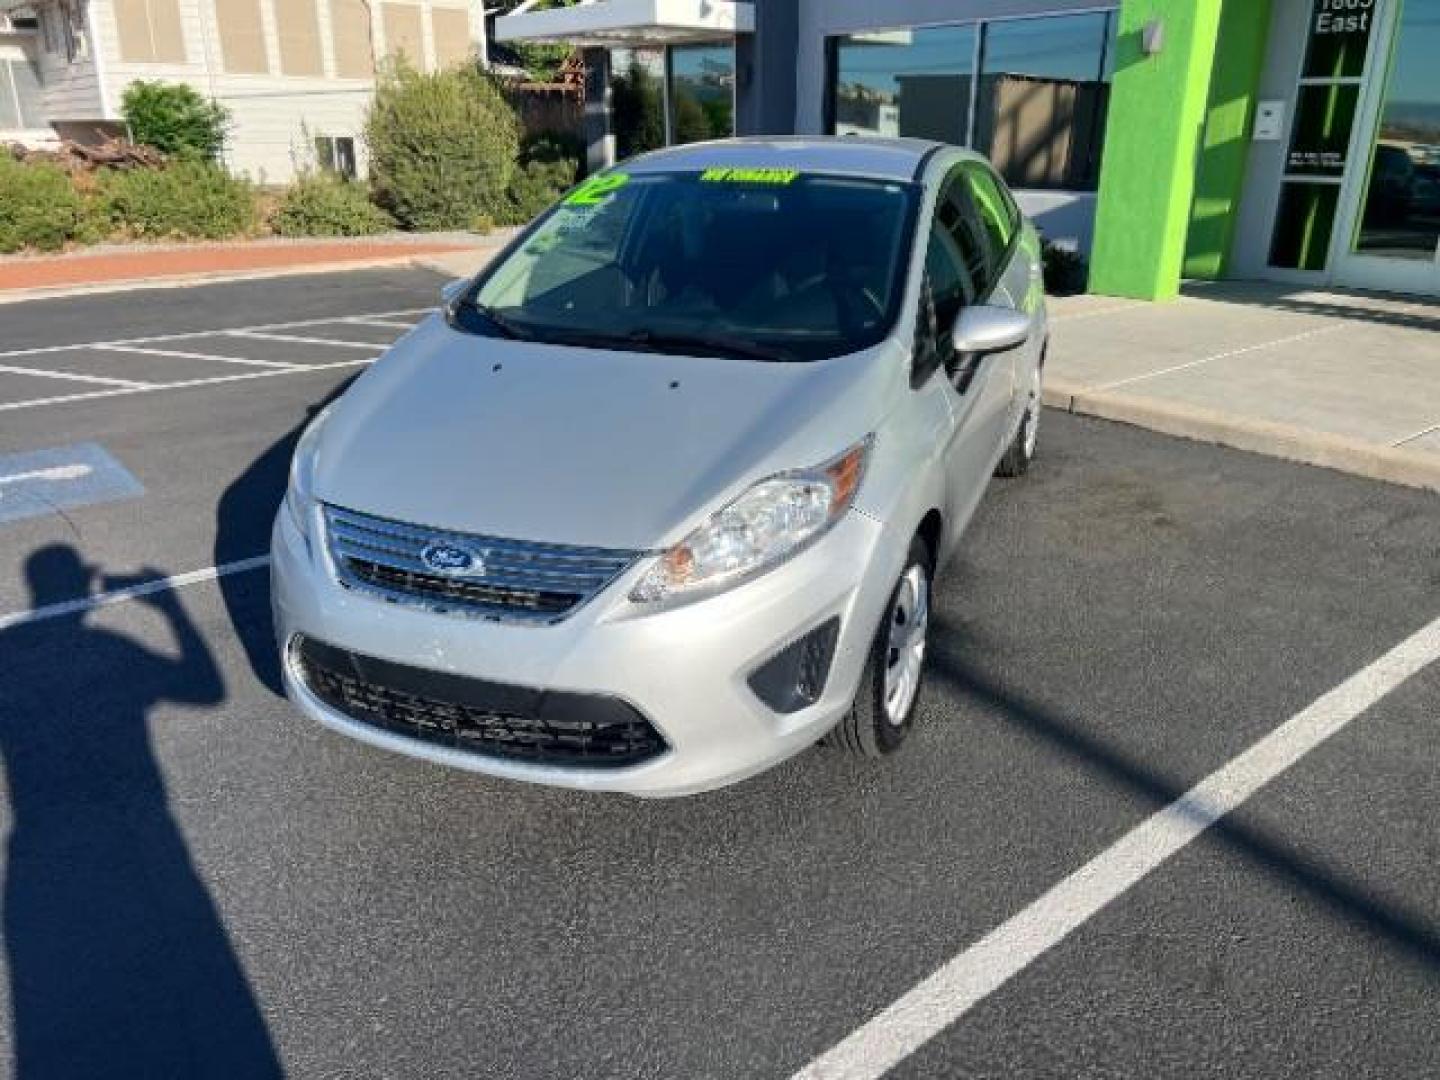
684,669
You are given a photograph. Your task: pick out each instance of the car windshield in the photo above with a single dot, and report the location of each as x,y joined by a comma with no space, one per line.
765,264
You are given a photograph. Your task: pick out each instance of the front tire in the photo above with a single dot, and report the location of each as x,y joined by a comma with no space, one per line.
883,712
1021,451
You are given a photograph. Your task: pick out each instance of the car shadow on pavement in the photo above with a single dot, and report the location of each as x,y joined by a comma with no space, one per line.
1407,931
119,963
243,517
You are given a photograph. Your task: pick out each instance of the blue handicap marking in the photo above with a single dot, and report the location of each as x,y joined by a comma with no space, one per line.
40,482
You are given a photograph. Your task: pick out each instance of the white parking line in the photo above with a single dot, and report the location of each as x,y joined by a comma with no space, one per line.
263,335
1432,430
72,376
969,978
150,388
145,588
144,351
39,350
1092,313
388,324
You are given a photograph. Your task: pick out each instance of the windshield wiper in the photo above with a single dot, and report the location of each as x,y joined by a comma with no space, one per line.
500,322
719,346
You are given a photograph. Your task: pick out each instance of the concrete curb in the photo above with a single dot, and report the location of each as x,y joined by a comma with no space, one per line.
441,264
1372,460
219,277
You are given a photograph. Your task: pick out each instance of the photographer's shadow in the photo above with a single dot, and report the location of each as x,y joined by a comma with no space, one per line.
119,963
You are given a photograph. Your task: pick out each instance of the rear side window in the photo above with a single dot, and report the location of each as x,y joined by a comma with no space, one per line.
996,212
956,272
957,220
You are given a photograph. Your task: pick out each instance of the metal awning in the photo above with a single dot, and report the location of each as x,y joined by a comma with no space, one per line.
631,23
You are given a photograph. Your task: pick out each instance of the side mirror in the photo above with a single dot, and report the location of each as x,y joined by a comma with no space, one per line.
980,331
451,290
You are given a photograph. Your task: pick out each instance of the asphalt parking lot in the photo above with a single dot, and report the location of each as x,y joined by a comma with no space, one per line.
197,882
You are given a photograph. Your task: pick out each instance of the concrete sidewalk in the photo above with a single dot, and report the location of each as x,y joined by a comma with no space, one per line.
109,268
1345,380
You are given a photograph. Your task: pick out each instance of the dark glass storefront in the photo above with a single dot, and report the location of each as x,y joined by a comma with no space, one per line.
1031,94
662,97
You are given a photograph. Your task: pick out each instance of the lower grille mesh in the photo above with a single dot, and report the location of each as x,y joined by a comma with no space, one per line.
496,720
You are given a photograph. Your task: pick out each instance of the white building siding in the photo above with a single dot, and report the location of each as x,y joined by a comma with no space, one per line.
275,117
273,132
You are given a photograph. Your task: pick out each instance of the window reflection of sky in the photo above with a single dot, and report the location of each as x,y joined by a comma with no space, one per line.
1067,47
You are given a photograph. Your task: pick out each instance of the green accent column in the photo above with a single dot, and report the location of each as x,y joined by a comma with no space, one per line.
1147,179
1225,146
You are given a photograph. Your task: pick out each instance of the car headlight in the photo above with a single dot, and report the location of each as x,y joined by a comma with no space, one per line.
771,521
300,491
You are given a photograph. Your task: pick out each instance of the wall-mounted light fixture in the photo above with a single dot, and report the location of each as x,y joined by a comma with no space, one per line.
1152,38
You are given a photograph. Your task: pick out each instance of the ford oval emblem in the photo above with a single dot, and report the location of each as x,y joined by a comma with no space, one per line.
452,559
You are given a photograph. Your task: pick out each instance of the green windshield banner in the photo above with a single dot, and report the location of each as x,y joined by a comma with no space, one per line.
749,176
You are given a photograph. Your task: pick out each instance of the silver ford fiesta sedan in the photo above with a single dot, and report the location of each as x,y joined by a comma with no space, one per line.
657,500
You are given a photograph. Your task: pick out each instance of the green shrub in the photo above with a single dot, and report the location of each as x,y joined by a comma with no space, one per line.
323,204
552,146
40,207
442,147
548,165
174,118
185,199
1066,272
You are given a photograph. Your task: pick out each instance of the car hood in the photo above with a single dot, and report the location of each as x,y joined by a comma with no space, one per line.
579,446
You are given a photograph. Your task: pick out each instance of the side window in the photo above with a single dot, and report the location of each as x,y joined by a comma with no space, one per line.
993,209
956,215
954,273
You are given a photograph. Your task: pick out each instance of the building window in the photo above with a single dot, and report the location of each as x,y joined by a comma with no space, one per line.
149,31
700,80
298,27
637,100
336,154
702,92
20,96
450,32
1044,93
242,37
354,49
1037,109
914,83
403,33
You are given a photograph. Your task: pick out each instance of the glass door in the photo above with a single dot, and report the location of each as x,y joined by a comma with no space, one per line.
1392,222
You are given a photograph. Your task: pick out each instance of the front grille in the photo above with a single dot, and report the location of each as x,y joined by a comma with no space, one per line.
513,579
490,719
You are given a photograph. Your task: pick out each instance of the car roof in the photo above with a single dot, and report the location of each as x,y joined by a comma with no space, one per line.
880,158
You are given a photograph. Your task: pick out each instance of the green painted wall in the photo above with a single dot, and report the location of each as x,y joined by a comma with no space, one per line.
1225,145
1147,179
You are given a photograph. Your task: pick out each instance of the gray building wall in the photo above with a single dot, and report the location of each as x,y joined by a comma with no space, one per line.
1064,217
765,70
